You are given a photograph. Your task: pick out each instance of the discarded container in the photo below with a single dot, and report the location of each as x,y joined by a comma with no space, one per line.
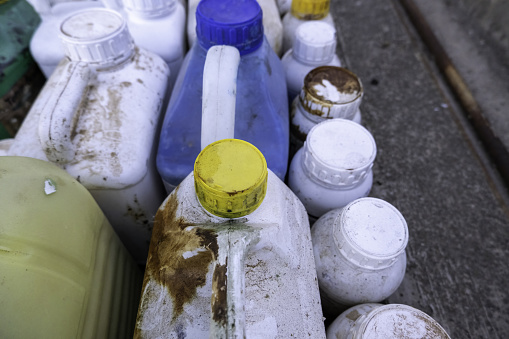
98,116
283,6
64,273
45,45
20,78
261,113
230,255
334,167
359,253
300,12
376,321
328,93
315,45
272,25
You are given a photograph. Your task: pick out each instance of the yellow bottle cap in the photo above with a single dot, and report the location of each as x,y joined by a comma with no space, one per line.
230,178
310,9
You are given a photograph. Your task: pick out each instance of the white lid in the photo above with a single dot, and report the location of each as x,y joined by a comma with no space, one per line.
371,233
338,152
315,43
96,36
331,92
399,321
150,8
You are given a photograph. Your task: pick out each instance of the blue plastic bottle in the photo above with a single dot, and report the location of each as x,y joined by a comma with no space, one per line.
261,114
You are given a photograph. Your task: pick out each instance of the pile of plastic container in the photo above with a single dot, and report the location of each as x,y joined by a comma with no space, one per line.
230,166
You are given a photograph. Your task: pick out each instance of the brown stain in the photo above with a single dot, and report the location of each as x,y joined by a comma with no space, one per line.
137,213
166,265
219,294
354,315
344,80
297,133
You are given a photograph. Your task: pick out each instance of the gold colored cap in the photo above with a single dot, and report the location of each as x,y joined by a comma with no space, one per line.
310,9
230,178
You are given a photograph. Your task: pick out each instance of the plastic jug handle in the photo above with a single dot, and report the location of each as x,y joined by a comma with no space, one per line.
219,94
58,117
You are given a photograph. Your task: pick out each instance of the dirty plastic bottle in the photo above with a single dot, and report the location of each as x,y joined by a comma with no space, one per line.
328,93
230,255
20,78
45,44
64,272
98,116
261,106
283,6
376,321
359,253
315,45
334,167
272,25
302,11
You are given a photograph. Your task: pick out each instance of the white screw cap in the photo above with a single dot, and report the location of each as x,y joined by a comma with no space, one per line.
315,43
338,152
96,36
371,233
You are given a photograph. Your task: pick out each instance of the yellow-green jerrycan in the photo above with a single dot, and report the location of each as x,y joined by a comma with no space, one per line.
63,271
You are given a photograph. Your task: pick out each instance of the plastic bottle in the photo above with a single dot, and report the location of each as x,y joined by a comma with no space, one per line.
230,255
359,253
20,78
98,116
261,111
300,12
283,6
385,321
45,44
64,273
272,25
315,45
334,167
328,93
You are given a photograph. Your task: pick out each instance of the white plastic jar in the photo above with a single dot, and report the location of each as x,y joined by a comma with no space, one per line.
334,167
376,321
328,92
359,253
315,45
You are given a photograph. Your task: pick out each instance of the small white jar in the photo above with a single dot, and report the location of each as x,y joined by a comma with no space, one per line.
334,167
376,321
315,45
359,253
328,92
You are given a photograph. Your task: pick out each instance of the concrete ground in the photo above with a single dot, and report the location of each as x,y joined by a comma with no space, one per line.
433,168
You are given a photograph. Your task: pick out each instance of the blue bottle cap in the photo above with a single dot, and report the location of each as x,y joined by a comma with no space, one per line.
235,23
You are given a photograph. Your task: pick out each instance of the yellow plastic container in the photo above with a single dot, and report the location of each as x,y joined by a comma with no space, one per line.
63,271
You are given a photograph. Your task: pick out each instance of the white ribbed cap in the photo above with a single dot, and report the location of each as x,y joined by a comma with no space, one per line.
370,233
399,321
96,36
338,152
315,43
331,92
150,8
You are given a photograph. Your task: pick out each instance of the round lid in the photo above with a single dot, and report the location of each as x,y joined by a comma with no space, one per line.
149,8
371,233
331,92
230,177
310,9
399,321
96,36
339,152
235,23
315,43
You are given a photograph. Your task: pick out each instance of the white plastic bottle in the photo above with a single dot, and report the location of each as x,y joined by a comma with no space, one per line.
315,45
367,321
45,45
334,167
359,253
328,93
300,12
230,255
97,117
283,6
272,25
